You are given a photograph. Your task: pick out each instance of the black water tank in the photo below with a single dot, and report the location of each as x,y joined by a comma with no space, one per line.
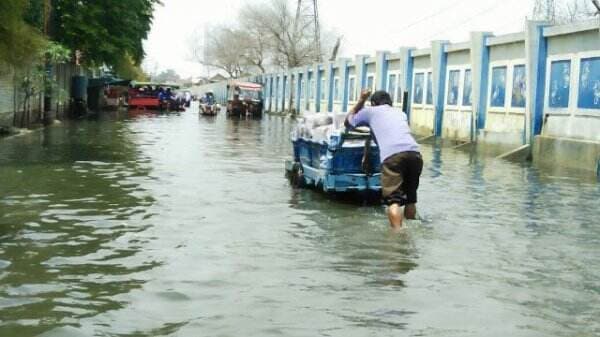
79,87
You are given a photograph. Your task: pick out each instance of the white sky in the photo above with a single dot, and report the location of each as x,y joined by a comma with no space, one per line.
367,26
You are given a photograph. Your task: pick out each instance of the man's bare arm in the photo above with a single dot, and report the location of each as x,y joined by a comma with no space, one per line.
364,96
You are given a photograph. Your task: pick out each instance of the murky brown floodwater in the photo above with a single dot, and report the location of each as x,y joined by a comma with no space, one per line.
175,225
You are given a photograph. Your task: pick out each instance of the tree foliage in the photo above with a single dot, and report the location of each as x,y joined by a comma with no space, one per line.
225,49
167,76
106,32
20,43
266,35
563,11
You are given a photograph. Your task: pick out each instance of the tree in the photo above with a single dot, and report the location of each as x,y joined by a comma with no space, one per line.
224,48
563,11
292,42
105,32
167,76
266,35
255,43
20,43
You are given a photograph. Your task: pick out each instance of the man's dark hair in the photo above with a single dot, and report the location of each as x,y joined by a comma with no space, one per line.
381,97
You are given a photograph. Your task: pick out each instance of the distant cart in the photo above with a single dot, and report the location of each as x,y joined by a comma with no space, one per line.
244,98
208,105
334,163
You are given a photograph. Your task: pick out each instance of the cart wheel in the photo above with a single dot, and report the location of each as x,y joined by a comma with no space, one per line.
297,175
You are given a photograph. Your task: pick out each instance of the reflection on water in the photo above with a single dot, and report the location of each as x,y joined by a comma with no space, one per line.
152,224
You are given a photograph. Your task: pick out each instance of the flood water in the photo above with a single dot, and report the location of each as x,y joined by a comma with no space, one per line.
180,225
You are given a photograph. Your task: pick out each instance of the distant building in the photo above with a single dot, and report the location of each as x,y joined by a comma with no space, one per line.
217,78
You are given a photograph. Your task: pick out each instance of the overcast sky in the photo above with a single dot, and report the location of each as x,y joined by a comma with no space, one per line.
367,26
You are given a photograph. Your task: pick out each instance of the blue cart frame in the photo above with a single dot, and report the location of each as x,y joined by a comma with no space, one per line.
334,167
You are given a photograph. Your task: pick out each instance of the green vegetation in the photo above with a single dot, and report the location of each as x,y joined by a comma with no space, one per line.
105,33
108,32
20,42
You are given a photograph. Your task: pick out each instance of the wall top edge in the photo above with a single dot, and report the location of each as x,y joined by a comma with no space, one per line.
572,28
455,47
393,56
420,52
505,39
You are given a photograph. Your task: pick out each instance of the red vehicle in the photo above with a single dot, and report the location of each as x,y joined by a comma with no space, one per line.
146,95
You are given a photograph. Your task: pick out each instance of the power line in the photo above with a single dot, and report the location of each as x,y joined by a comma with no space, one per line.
469,19
430,16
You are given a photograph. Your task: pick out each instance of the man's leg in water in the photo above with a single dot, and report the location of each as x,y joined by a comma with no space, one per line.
410,211
410,186
395,215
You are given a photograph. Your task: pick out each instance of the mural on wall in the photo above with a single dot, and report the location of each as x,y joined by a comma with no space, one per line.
467,99
589,84
418,95
498,93
453,83
560,84
429,99
519,87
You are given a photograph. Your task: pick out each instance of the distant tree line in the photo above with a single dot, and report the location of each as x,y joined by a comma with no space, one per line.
266,35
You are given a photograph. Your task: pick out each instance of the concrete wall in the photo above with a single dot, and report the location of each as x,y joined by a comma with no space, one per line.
6,98
11,96
510,81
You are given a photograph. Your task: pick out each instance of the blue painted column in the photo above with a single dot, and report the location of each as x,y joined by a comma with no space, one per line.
536,53
480,67
274,97
439,59
284,85
299,88
318,75
277,90
344,79
406,75
361,72
329,81
270,80
307,78
381,70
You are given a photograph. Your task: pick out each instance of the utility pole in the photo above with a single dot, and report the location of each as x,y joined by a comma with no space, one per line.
309,10
596,4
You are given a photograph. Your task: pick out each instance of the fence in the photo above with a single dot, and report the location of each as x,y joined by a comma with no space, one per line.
531,87
12,96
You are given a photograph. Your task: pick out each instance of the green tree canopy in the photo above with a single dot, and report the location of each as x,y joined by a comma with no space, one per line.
106,32
20,42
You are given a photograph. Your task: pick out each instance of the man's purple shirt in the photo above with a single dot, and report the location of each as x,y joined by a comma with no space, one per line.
390,127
